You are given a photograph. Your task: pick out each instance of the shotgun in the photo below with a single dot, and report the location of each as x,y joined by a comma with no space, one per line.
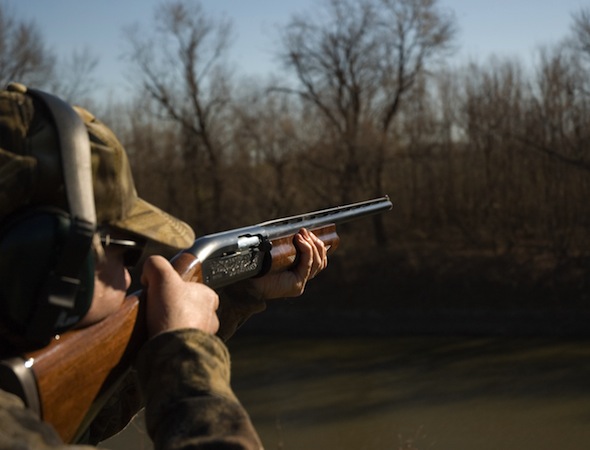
67,382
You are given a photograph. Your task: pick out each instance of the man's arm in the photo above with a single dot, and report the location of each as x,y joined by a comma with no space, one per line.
185,378
184,370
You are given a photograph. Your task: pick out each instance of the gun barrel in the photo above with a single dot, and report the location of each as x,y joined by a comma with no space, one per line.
335,215
225,241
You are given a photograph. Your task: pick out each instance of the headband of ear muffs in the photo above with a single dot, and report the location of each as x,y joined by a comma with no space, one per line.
46,257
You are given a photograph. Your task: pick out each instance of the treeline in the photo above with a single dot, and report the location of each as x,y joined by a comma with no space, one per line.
487,164
490,158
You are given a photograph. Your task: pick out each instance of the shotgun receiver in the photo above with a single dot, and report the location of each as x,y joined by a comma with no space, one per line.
67,382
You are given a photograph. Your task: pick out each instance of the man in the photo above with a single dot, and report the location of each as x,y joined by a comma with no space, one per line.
183,369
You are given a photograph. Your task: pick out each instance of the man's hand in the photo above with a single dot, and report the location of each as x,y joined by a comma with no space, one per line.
291,283
173,303
246,298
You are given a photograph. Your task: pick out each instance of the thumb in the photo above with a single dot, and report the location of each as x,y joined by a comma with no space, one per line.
157,270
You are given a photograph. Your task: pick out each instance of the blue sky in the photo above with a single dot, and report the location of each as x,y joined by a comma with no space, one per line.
512,28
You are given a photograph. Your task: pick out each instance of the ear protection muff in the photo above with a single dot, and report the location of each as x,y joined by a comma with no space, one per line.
46,257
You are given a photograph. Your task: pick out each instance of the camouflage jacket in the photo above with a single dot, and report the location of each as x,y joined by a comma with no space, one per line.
184,379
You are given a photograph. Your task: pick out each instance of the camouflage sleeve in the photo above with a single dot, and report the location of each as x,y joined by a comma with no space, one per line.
185,378
237,303
20,428
119,410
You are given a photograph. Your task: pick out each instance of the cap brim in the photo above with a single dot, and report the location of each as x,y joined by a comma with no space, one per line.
154,224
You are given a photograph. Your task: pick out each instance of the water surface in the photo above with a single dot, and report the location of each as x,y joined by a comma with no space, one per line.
411,393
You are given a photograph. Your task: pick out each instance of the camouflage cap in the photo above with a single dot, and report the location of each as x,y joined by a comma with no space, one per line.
30,172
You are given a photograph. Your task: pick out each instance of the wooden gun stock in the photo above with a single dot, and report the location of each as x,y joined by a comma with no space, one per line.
78,371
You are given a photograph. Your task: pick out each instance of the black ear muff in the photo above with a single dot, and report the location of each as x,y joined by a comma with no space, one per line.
46,257
52,281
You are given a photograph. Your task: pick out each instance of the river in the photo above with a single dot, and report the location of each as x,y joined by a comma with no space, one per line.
410,393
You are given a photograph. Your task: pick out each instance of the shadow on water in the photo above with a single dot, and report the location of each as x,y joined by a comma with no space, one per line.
414,393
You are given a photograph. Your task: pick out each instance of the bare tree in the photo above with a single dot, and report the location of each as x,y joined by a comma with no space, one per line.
270,133
559,109
23,54
581,32
25,58
74,79
355,64
181,68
